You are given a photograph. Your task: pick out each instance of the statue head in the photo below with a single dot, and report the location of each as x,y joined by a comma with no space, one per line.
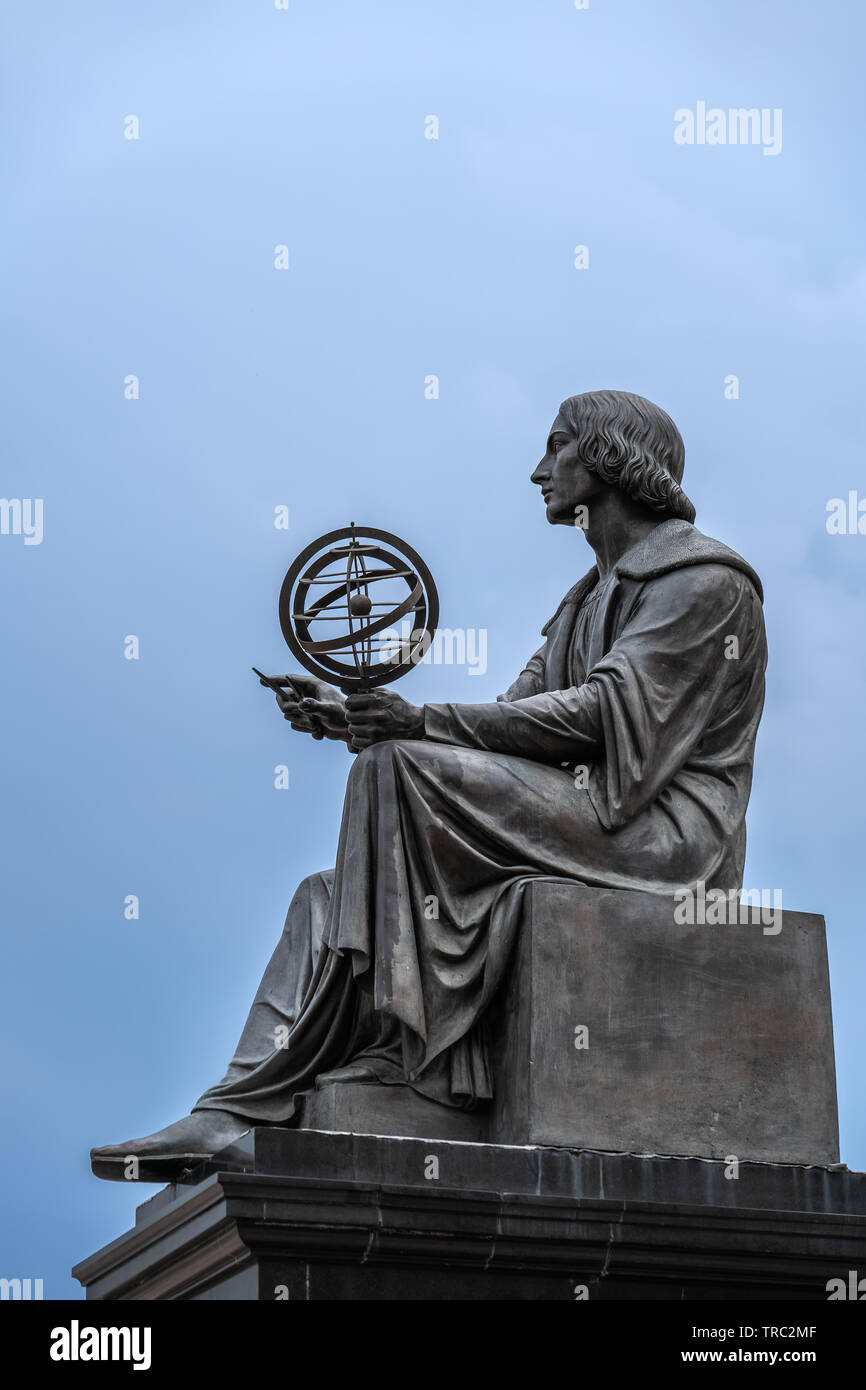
604,439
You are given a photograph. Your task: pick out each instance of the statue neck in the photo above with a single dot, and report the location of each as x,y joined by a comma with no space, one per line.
616,523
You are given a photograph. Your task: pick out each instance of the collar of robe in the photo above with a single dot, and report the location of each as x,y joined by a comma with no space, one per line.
671,545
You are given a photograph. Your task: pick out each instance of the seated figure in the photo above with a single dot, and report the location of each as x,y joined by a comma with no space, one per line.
620,757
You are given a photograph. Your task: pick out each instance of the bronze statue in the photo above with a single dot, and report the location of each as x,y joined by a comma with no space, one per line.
620,757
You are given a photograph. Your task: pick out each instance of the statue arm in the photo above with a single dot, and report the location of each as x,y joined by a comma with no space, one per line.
554,726
645,704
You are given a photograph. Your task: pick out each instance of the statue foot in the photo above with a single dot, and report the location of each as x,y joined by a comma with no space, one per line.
357,1074
169,1151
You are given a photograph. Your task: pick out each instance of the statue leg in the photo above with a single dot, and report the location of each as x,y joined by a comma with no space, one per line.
287,978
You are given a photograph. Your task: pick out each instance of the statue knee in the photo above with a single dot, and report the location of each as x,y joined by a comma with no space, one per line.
310,898
371,759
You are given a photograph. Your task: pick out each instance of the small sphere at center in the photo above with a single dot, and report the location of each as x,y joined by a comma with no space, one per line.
360,605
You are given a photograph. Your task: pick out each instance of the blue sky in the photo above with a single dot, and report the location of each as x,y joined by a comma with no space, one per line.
305,387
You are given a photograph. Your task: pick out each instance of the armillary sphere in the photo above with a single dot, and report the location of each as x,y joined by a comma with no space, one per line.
362,594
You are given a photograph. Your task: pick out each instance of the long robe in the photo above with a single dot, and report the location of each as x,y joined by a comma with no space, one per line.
620,757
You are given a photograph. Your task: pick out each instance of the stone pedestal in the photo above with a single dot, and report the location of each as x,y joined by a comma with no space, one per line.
705,1040
306,1215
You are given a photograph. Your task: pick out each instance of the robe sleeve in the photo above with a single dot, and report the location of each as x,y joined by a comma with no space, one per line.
646,703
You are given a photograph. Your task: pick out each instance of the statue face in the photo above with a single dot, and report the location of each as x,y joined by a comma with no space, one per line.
565,482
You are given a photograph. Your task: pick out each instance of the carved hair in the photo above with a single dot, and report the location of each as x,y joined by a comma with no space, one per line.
632,444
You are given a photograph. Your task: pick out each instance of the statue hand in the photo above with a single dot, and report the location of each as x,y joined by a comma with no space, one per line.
376,715
312,706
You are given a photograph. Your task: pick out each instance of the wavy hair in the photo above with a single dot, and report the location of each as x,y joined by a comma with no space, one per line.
632,444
